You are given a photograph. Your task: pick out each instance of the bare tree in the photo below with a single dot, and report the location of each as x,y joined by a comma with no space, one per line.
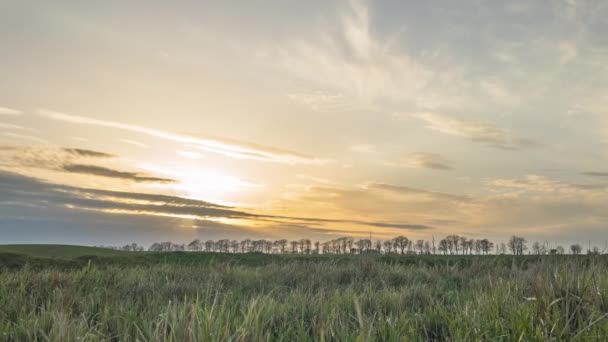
477,246
364,245
517,245
294,247
401,242
245,246
538,249
464,244
378,246
281,244
194,245
427,247
453,243
326,247
349,244
444,247
388,246
486,246
501,248
420,246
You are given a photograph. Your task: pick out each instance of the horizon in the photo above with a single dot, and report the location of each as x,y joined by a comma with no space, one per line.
122,122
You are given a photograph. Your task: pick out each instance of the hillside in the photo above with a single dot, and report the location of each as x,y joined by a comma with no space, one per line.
58,251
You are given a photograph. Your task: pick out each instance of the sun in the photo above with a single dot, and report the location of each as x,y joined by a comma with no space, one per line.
203,183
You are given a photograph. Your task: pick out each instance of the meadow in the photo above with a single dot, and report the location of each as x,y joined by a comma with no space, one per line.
69,293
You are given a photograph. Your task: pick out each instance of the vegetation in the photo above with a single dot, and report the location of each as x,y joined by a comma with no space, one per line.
185,296
58,251
450,245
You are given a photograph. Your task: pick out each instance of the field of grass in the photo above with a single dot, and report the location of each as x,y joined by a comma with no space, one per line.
182,296
58,251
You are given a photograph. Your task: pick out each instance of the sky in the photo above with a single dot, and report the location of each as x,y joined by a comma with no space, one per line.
144,121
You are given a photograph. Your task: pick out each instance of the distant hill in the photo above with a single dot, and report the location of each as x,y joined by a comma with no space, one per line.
59,251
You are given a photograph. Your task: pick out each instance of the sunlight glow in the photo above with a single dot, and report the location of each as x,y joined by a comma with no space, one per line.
202,183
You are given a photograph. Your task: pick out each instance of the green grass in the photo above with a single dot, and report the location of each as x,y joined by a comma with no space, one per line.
58,251
254,297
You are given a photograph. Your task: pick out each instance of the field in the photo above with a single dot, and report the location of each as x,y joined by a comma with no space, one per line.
94,294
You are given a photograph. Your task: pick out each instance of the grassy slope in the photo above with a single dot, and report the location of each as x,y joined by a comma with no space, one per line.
58,251
183,296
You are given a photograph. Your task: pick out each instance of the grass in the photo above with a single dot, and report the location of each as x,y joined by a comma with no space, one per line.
58,251
254,297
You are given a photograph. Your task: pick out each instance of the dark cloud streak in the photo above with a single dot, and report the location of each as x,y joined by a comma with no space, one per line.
95,170
595,174
87,153
29,190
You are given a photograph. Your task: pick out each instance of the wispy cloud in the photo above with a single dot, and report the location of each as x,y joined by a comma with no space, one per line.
30,190
80,152
15,127
9,111
416,192
95,170
44,157
320,101
189,154
227,147
315,179
595,173
423,160
475,131
539,183
134,143
363,148
69,160
347,63
23,137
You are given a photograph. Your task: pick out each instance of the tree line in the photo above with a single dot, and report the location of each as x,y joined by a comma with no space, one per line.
449,245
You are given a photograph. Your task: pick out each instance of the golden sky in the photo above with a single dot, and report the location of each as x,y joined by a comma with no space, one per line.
147,121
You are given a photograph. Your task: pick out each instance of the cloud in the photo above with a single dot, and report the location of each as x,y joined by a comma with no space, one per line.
23,189
15,127
227,147
543,184
320,101
188,154
315,179
400,226
23,137
31,190
595,174
50,158
9,111
134,143
347,65
538,206
379,204
475,131
404,190
424,160
363,148
111,173
568,51
87,153
309,220
66,160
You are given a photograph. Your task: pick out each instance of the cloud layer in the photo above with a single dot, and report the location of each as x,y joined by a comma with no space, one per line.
111,173
475,131
227,147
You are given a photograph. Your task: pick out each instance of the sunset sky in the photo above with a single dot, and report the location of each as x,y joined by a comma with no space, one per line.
143,121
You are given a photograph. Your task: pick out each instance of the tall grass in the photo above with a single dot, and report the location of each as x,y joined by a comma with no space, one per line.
299,299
